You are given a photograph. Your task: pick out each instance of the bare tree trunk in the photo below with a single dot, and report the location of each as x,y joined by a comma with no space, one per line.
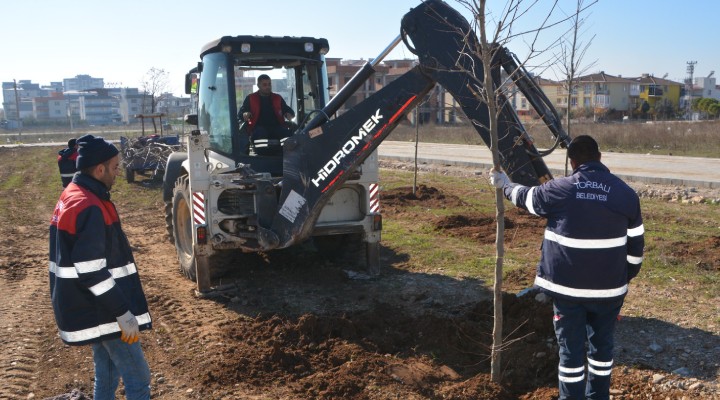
496,359
491,95
495,362
487,53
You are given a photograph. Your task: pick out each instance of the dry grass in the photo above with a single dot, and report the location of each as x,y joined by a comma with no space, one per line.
682,138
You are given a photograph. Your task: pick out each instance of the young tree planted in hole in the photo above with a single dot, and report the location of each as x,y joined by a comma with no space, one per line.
495,31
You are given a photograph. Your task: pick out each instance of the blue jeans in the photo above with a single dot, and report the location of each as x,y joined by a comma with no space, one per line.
575,324
114,359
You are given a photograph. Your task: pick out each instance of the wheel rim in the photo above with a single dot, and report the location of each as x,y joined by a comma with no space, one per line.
184,228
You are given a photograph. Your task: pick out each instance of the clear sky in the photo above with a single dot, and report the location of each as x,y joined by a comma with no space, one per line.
119,41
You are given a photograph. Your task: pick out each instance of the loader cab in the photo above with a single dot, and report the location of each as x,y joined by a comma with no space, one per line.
228,72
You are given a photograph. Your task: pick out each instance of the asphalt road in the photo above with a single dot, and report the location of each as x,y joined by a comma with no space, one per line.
648,168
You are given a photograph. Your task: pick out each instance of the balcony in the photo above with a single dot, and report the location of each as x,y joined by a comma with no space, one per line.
655,91
602,101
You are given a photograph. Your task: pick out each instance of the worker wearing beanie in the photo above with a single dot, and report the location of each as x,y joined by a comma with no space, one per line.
66,162
95,288
592,248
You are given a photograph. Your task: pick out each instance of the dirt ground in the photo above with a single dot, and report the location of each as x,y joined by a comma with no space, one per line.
296,326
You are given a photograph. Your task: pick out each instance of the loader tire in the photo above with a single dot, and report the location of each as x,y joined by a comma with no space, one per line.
182,227
350,250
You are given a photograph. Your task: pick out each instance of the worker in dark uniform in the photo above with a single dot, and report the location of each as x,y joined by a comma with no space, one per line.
266,114
66,162
95,289
593,247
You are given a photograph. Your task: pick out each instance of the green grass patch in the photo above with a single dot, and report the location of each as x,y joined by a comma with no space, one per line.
679,237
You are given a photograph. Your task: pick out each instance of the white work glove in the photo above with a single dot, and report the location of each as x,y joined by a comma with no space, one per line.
498,179
129,327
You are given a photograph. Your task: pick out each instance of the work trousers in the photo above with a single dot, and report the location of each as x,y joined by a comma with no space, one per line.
577,324
267,140
114,359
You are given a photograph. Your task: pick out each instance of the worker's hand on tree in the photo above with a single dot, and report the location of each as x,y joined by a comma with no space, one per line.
498,179
129,328
289,116
246,116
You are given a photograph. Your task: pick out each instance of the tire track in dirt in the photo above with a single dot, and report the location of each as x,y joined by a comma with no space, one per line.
184,326
24,308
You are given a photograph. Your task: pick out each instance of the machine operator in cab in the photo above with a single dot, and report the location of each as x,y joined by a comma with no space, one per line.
266,114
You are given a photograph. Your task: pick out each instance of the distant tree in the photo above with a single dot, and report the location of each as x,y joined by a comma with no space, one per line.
571,53
664,109
154,84
695,104
714,109
706,106
644,108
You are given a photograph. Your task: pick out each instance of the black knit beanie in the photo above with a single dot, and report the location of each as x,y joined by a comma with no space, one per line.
93,151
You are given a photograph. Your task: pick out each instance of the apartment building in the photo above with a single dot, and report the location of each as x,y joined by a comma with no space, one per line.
19,95
601,92
706,87
83,82
54,107
99,108
340,72
655,90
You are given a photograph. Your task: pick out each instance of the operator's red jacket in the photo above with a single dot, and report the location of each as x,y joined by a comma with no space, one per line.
93,278
252,104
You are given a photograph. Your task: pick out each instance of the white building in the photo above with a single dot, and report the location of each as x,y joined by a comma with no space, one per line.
82,82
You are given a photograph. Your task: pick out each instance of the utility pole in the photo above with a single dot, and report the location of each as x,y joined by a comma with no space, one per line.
69,113
17,109
689,88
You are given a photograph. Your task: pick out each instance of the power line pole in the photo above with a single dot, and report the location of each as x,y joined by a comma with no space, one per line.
17,109
689,88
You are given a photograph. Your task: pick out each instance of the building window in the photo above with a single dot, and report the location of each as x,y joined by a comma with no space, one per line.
587,88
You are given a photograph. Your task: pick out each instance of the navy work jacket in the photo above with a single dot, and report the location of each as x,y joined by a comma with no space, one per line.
93,277
594,237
